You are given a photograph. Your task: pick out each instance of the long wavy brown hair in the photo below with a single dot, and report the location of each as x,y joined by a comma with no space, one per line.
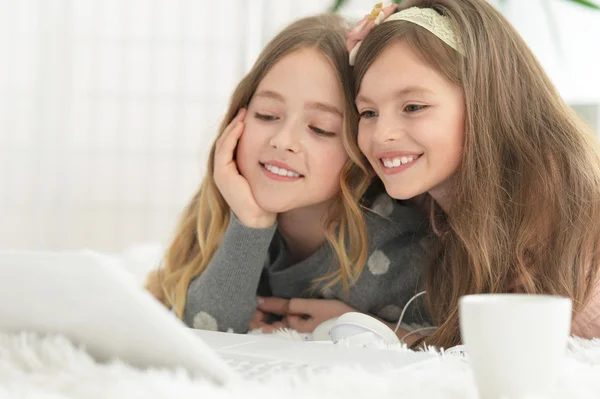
206,217
525,205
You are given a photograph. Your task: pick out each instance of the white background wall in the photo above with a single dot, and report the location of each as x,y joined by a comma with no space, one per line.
570,51
107,107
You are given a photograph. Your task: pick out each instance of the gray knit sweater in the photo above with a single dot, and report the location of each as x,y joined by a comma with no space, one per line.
251,262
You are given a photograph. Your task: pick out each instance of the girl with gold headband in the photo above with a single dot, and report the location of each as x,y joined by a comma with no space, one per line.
457,117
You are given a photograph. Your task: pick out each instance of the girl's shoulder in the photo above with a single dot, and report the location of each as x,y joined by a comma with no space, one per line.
396,216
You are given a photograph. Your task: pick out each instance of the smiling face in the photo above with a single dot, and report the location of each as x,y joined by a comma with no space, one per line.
411,127
291,151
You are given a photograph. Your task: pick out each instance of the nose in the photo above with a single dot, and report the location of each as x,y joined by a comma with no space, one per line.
388,129
287,138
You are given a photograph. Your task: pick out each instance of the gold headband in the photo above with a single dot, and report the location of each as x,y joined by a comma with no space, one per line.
431,20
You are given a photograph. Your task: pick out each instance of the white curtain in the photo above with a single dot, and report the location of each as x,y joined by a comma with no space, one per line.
107,110
108,107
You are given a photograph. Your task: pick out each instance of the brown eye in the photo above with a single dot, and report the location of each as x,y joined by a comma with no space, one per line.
414,107
265,117
321,132
368,114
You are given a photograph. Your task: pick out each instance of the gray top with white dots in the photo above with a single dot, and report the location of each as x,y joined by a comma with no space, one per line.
251,262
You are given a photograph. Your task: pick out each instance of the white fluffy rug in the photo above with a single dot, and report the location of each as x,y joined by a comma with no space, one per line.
52,368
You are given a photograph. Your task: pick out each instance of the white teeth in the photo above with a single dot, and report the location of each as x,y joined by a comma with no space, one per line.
280,171
396,162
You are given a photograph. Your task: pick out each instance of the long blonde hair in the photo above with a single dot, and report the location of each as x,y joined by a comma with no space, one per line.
525,205
206,217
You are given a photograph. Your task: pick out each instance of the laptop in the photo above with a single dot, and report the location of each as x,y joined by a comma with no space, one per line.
100,306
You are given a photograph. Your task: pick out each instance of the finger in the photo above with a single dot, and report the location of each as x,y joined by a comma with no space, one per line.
224,152
300,306
278,306
226,144
258,317
230,129
236,119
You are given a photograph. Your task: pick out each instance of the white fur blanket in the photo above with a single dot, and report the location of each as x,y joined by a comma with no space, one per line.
52,368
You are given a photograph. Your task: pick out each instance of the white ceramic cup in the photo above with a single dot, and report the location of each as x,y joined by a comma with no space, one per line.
515,342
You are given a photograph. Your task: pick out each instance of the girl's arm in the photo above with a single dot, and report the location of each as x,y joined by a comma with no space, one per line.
223,297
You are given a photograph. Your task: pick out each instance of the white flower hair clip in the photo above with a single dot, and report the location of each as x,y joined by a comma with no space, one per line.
364,26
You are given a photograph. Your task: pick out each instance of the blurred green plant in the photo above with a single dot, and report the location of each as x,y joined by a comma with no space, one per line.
586,4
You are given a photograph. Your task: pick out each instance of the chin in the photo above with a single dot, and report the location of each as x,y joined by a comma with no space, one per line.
274,208
272,205
401,193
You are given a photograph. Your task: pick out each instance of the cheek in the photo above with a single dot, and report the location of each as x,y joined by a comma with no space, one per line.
364,144
444,143
337,164
330,164
363,141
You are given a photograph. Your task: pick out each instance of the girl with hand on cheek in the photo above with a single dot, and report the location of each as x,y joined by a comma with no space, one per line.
280,212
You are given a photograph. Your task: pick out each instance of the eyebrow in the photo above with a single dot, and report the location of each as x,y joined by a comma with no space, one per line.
316,105
270,95
399,93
